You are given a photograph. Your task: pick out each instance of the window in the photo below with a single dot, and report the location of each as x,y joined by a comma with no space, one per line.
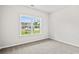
36,25
29,25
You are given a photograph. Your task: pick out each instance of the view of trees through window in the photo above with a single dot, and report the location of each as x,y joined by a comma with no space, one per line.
29,25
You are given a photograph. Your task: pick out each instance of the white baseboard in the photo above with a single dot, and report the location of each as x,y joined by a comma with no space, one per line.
42,37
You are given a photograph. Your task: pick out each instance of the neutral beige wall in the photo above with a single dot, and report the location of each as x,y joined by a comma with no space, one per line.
64,25
10,25
1,40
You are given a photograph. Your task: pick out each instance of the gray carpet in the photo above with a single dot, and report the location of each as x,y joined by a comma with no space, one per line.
42,47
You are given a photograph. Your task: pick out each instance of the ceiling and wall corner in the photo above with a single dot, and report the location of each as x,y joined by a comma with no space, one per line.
48,8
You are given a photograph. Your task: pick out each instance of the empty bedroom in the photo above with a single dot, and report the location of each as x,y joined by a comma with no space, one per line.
39,29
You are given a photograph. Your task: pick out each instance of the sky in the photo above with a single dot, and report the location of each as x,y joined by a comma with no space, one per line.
28,19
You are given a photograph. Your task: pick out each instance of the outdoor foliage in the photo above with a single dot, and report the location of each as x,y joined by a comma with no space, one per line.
30,27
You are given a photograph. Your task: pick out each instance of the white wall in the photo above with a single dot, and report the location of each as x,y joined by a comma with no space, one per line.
64,25
10,25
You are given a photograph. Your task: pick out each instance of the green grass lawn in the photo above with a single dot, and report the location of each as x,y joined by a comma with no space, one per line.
36,31
24,32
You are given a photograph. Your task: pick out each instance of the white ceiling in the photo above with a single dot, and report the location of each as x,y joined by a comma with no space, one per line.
48,8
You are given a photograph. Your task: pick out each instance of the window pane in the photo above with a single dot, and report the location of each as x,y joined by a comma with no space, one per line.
36,25
25,25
